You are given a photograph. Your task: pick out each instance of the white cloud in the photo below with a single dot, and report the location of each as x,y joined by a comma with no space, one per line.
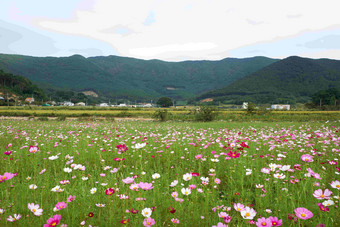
198,29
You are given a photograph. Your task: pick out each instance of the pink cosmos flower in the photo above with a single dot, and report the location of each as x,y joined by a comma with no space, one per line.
7,176
199,156
148,222
322,195
223,215
33,149
134,187
307,158
217,181
128,180
263,222
220,224
238,207
61,205
192,186
71,198
275,221
53,221
14,218
175,220
303,213
145,186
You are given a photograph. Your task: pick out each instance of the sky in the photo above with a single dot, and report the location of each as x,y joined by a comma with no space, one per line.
171,30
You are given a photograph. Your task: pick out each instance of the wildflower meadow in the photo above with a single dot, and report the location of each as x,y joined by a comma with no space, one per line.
105,173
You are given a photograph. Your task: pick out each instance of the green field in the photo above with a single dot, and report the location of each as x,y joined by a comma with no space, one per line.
266,172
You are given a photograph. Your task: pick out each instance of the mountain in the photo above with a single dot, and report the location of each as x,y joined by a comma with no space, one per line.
135,79
13,86
293,79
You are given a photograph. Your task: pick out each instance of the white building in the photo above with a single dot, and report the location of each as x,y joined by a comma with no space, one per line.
66,103
245,105
103,104
280,107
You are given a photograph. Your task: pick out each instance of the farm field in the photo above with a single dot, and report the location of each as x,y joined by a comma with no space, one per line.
104,173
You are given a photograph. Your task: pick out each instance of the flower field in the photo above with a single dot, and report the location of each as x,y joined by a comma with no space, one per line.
166,174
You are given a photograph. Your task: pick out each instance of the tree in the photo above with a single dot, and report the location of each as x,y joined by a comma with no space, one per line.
164,102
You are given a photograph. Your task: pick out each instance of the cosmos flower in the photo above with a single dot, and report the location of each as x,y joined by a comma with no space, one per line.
307,158
146,212
32,186
186,191
335,184
145,186
187,176
275,221
7,176
122,148
93,190
322,195
71,198
15,217
175,220
328,203
238,207
174,183
263,222
35,209
33,149
248,213
148,222
109,191
128,180
156,176
61,205
53,221
303,213
233,154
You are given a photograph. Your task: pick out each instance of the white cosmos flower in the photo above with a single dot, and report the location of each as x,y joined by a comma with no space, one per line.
84,178
139,145
328,202
279,175
285,168
174,183
146,212
187,176
156,176
67,170
57,189
93,190
53,157
32,186
186,191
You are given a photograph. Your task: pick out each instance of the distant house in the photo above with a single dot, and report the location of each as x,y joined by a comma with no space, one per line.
80,104
29,100
2,98
103,105
68,103
280,107
245,105
122,105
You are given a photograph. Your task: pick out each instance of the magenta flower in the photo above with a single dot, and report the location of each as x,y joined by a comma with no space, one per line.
148,222
53,221
234,155
275,221
263,222
322,195
8,152
303,213
145,186
61,205
322,207
109,191
307,158
122,148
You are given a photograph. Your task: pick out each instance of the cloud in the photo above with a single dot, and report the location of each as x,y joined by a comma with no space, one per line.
327,42
171,29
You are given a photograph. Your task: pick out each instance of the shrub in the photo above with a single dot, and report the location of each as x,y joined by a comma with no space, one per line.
161,115
205,113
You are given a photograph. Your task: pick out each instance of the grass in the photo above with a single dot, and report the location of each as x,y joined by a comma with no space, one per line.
170,150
